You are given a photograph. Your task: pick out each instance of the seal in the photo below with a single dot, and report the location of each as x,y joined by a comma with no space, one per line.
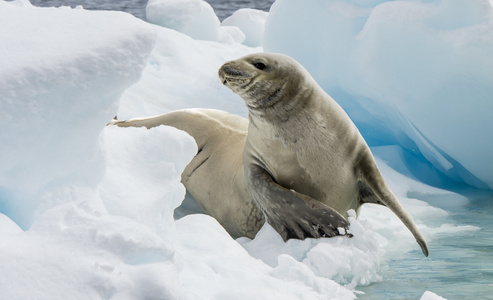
302,148
298,163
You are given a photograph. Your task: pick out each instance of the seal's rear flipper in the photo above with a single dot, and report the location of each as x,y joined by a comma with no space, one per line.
366,194
373,184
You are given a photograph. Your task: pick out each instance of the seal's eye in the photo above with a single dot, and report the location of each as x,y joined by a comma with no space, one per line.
259,65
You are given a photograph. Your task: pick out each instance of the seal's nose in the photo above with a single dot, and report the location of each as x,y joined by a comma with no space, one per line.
229,70
222,75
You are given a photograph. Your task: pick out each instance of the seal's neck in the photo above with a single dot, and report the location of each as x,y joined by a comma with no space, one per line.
283,105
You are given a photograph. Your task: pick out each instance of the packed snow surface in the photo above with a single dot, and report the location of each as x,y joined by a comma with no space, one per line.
87,210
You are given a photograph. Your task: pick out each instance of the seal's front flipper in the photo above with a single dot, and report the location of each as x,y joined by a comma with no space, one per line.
200,123
291,214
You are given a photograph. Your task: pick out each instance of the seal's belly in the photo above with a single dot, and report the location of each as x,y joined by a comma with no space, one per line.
327,178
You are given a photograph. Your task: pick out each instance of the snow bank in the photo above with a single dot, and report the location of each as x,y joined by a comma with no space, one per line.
89,248
412,73
63,71
351,262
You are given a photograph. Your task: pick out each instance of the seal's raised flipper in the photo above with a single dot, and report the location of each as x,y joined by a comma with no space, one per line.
114,121
291,214
198,122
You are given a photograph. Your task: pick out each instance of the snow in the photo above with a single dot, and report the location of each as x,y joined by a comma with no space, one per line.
60,83
351,262
87,210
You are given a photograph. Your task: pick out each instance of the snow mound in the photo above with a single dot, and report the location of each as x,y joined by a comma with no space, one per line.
417,74
89,248
152,175
347,261
63,72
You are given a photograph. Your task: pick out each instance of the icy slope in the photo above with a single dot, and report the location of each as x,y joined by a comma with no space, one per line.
63,71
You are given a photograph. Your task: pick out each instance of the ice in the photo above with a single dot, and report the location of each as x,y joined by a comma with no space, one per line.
431,296
87,210
252,24
80,251
63,72
417,74
7,226
195,18
191,82
348,261
152,175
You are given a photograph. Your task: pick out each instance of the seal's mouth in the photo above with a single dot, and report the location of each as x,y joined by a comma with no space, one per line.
234,77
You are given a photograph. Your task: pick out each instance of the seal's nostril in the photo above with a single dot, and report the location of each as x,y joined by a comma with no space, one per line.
232,71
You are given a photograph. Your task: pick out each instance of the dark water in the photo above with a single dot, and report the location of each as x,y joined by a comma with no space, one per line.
222,8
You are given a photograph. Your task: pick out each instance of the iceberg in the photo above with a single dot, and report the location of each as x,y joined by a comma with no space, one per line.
251,22
87,209
195,18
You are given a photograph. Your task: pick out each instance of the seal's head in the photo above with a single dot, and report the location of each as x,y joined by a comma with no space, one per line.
264,80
